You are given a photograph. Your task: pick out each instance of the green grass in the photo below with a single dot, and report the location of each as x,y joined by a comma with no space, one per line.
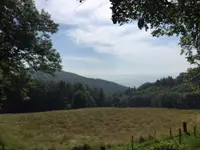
112,126
187,143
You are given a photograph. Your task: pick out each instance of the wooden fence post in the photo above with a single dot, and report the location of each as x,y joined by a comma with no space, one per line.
132,142
103,147
170,132
2,147
185,127
180,134
195,128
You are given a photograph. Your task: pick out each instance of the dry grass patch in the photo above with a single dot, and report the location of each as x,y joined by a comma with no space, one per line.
64,129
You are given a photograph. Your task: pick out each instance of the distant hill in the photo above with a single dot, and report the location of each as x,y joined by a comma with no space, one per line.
107,86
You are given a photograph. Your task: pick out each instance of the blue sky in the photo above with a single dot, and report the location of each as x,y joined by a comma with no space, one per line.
90,45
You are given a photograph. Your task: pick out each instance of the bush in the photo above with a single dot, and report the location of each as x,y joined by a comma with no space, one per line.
1,141
167,146
84,147
150,137
141,139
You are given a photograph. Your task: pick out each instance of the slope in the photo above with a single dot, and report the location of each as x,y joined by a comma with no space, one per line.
107,86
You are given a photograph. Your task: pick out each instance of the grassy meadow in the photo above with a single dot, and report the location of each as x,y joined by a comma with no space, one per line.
113,126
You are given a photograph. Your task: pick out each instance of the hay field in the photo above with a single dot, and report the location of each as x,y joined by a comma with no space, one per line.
65,129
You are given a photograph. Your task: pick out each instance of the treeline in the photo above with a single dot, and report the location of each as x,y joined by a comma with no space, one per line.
166,92
46,96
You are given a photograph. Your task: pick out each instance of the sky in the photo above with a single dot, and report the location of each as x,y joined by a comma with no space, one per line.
92,46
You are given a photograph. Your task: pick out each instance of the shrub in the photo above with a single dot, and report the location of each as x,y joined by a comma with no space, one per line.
109,145
77,148
103,147
84,147
150,137
1,141
167,146
141,139
52,148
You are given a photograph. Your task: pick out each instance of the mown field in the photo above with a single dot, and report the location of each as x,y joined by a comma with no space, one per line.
113,126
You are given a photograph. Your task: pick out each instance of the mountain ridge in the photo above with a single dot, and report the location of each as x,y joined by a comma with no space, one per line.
109,87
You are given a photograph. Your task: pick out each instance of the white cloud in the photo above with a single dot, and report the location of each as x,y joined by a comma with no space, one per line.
72,12
137,49
82,59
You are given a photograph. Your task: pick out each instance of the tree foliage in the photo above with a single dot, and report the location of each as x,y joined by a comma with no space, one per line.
193,78
46,96
166,92
25,42
101,98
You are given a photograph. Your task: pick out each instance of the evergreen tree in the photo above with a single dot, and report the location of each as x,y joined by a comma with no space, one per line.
79,100
101,99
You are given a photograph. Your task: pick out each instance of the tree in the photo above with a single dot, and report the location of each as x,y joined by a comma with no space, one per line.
100,100
193,78
79,100
89,99
25,42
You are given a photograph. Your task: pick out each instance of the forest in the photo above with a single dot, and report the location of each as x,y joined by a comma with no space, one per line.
166,92
51,95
